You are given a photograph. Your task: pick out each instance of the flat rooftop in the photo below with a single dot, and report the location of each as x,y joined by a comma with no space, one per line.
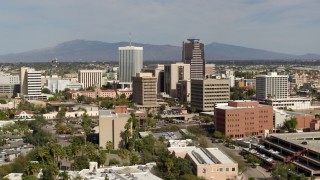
204,155
312,139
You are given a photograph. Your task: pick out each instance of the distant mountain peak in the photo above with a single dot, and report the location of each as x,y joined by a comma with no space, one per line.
88,50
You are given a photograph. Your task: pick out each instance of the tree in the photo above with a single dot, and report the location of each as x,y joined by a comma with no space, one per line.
31,169
134,159
290,125
109,147
64,175
81,162
252,159
123,154
86,125
50,171
62,112
280,170
46,91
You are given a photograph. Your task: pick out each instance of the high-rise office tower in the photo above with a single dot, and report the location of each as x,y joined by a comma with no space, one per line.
272,86
205,93
157,71
144,90
90,78
130,63
193,54
30,81
172,74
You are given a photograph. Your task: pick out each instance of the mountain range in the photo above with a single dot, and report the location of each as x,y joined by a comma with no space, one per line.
84,50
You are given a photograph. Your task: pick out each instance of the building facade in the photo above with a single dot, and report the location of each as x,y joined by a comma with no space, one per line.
205,93
241,119
184,90
130,63
144,90
30,84
157,71
173,73
111,127
90,78
193,54
272,86
208,163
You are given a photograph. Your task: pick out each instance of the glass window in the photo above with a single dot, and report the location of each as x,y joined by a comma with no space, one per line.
233,169
227,169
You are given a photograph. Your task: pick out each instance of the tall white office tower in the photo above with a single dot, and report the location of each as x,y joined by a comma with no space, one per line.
130,63
90,78
30,84
272,86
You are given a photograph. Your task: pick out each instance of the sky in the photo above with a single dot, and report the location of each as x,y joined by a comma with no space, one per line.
287,26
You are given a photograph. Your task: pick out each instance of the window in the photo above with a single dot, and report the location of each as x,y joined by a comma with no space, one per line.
227,169
233,169
221,169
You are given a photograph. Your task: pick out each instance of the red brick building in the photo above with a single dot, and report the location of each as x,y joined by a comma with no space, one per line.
243,119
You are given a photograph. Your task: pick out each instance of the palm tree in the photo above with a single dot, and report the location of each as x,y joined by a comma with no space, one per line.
64,175
86,126
32,168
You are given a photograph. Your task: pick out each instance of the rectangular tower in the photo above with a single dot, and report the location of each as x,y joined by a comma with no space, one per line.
90,78
172,74
193,54
130,62
30,81
272,86
205,93
144,90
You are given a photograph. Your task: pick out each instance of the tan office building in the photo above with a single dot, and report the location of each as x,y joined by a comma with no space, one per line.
243,119
172,74
144,91
90,78
205,93
111,125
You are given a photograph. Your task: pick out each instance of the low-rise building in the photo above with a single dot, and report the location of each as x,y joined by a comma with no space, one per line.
303,120
23,114
101,93
111,127
209,163
243,119
290,103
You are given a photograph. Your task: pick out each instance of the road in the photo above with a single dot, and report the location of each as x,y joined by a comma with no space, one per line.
258,173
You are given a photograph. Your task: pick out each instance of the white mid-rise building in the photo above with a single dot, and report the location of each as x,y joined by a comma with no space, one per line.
90,78
30,81
272,86
130,63
60,85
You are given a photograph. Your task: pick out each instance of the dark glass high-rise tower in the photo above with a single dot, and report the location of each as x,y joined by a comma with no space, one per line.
193,54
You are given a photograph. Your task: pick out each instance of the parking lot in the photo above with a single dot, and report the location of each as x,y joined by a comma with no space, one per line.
169,135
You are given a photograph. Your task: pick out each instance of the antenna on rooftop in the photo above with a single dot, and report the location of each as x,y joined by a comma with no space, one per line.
130,38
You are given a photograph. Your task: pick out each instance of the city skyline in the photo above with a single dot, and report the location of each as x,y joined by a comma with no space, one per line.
288,26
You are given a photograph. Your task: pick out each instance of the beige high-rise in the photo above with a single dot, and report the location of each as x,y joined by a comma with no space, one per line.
144,89
172,74
205,93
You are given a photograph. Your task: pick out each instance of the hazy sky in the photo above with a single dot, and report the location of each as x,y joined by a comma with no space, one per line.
289,26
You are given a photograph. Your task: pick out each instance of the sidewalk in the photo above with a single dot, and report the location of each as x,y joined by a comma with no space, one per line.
264,172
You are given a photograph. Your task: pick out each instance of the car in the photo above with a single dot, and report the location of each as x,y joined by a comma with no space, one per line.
304,143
